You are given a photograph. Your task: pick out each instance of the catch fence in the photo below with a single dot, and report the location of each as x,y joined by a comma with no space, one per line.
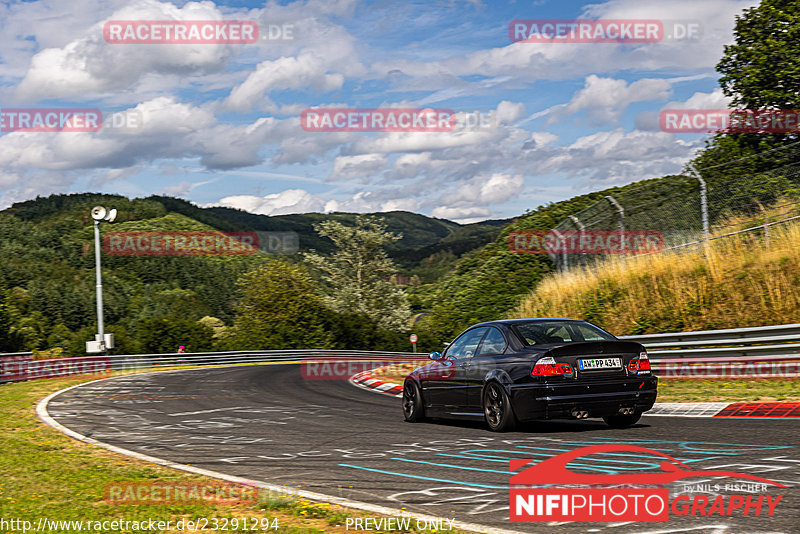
700,205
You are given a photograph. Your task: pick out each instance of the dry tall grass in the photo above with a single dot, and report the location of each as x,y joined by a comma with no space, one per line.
739,281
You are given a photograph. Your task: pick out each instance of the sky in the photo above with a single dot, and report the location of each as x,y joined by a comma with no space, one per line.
220,124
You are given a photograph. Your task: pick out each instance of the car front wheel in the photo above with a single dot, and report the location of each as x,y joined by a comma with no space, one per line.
413,410
497,408
622,421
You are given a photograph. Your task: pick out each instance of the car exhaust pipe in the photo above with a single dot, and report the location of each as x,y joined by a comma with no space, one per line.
580,414
626,411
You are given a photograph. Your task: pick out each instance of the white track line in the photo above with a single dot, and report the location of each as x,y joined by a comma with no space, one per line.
41,411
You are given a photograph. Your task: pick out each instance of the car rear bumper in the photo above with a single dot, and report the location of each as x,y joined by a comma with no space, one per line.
600,398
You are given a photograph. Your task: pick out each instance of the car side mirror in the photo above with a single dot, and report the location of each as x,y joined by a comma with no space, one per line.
435,356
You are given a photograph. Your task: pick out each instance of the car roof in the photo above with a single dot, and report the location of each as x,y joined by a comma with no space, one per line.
529,320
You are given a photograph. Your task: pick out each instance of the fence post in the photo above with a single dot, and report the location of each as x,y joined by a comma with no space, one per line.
703,201
564,266
621,211
582,228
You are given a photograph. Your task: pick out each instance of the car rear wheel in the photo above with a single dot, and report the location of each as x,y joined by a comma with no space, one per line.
413,409
497,408
622,421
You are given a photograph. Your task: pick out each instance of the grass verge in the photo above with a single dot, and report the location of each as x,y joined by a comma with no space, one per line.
48,475
739,281
722,390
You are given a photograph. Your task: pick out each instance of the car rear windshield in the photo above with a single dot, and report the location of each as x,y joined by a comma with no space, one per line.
543,332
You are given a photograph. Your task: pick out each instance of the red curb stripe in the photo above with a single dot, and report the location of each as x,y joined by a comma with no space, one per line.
365,376
761,409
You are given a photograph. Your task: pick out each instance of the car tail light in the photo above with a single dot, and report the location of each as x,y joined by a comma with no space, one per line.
547,366
640,364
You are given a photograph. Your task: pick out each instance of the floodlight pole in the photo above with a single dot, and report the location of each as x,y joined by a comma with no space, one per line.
99,276
102,341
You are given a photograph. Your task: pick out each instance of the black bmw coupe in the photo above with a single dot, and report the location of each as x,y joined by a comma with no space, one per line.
529,369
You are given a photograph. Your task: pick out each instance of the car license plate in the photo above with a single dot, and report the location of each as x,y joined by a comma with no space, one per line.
600,363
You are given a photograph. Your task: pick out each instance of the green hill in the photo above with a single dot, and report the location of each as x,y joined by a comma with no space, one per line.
47,285
490,282
458,274
422,234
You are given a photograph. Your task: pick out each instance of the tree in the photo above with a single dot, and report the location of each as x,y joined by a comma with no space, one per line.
356,274
165,334
9,340
279,309
760,71
359,332
762,68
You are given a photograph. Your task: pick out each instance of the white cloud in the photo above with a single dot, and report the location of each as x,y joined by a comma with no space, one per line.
546,61
372,202
358,167
289,201
165,129
649,120
89,65
178,189
464,175
485,190
540,139
617,156
716,99
319,59
301,72
605,99
302,201
469,200
508,112
462,215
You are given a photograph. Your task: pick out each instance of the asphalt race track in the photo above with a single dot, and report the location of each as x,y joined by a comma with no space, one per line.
267,423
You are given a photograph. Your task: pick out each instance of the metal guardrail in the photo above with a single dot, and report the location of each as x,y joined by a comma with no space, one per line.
753,352
767,351
21,366
776,340
738,334
747,367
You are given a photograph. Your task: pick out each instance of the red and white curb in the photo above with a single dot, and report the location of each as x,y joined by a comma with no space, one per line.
364,380
771,410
